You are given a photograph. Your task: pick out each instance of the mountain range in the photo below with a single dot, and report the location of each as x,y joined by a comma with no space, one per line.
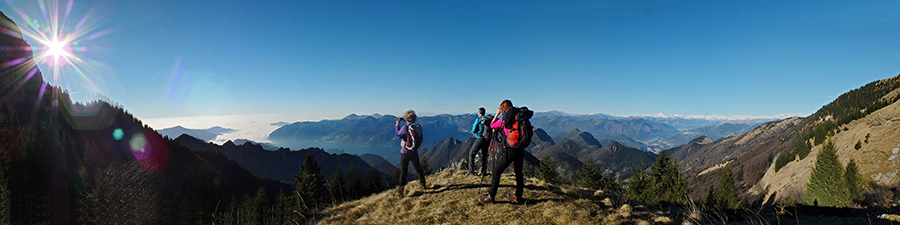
368,134
359,134
208,134
281,164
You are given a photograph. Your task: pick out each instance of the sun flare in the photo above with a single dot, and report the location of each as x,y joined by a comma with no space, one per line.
56,49
65,44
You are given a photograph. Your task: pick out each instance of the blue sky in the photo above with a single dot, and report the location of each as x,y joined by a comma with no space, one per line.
326,59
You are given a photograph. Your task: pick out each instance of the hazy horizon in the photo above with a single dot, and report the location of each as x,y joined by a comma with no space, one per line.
257,127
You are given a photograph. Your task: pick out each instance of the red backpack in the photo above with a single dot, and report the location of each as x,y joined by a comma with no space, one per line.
517,120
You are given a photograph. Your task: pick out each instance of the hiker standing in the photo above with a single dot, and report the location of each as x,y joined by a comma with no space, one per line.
482,131
410,135
516,128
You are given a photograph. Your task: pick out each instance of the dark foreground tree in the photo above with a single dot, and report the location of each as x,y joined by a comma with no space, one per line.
309,187
724,195
336,186
372,182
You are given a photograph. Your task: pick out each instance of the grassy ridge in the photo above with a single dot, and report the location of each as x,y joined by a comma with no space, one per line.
453,199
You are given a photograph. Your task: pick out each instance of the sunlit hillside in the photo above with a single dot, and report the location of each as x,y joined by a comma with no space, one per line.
452,199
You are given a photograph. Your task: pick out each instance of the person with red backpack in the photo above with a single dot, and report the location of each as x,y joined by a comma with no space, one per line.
410,139
481,128
515,125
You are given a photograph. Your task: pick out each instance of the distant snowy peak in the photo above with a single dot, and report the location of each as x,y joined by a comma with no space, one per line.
556,113
718,118
739,118
354,116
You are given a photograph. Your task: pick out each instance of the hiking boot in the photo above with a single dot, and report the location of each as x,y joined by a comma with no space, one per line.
517,200
486,200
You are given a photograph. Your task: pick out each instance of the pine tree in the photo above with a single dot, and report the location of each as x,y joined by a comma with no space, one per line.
4,195
590,176
826,183
354,184
642,187
856,185
662,183
280,214
858,145
336,186
426,167
725,195
309,186
546,171
372,182
671,186
260,206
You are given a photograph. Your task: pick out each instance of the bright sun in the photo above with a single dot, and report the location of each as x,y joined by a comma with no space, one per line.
56,49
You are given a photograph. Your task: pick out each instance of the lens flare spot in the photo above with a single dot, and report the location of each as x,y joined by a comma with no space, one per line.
138,142
150,149
118,134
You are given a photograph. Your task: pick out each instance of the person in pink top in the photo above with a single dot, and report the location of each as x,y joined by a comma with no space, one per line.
508,155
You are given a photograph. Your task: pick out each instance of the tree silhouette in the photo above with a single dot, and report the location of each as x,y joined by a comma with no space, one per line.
309,186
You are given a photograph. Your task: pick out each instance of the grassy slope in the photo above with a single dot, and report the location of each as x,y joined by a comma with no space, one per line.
874,158
453,200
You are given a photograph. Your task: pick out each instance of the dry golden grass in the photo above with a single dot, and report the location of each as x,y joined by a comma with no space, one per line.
878,160
453,199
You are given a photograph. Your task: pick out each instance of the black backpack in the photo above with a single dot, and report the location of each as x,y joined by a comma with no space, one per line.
486,126
518,121
413,136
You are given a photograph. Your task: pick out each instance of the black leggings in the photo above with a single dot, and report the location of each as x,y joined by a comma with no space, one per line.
405,159
509,156
480,145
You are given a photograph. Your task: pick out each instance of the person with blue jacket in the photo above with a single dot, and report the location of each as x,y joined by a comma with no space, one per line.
481,143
